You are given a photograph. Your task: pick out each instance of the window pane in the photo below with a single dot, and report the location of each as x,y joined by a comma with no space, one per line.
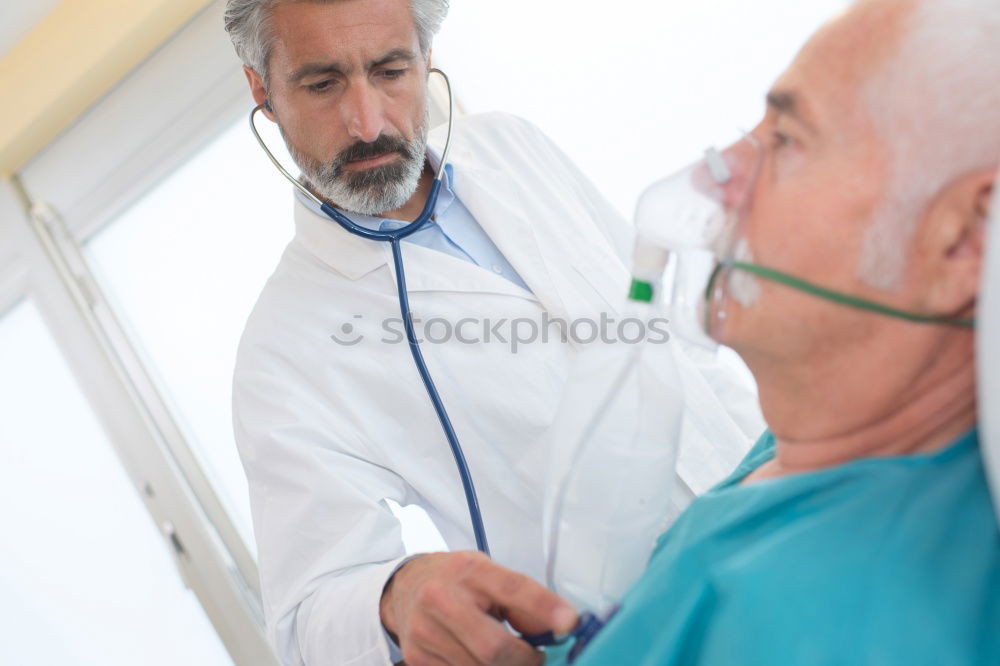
85,577
631,90
185,265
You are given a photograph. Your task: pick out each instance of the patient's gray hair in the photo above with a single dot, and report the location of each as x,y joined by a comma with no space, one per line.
247,24
937,106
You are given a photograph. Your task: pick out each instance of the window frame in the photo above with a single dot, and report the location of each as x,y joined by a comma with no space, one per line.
149,125
41,256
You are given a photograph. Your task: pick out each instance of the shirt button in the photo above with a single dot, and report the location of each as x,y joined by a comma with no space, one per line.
498,269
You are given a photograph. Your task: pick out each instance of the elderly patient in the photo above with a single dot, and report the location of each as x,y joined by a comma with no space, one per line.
859,529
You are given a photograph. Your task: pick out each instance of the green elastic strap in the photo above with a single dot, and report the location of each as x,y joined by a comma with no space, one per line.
827,294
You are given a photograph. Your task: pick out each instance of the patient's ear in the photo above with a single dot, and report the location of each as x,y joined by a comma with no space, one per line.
953,242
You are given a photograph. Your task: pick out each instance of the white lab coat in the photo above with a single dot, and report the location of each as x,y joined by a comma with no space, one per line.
327,431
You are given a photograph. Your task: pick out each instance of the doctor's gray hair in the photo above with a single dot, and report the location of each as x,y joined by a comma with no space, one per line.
936,105
246,22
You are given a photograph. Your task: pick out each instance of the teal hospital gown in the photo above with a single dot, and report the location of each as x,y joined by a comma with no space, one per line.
881,561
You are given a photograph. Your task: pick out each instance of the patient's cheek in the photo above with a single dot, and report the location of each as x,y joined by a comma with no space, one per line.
789,163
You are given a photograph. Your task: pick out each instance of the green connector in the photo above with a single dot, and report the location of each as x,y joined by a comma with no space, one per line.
641,291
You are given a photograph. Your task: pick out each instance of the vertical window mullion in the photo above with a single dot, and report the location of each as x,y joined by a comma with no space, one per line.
125,400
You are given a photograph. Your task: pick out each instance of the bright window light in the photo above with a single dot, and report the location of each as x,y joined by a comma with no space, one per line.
85,577
185,265
632,90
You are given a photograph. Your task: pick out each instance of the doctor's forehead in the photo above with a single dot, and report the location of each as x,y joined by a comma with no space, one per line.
352,32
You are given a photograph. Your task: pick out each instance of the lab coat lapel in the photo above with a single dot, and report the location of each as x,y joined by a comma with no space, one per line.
492,199
350,255
426,269
431,270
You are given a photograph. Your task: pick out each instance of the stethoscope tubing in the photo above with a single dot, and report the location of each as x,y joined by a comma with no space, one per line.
471,498
393,237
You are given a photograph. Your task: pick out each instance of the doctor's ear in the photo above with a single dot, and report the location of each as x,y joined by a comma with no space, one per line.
259,92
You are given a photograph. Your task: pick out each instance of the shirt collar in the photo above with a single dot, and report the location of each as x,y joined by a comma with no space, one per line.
446,197
346,253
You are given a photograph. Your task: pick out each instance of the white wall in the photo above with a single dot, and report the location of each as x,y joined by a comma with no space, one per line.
632,89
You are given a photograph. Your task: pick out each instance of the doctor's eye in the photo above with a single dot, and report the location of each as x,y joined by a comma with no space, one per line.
321,86
393,74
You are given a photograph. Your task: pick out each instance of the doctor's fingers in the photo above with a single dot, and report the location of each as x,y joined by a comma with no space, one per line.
428,643
423,659
486,640
528,606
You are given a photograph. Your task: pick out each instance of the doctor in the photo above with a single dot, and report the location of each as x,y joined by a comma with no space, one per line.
331,418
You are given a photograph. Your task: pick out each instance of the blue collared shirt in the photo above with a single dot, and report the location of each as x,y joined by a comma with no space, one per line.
453,230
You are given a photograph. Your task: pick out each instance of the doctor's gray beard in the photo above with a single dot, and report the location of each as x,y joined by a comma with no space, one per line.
373,191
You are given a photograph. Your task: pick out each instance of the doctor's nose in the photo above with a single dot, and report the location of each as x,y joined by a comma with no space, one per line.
362,111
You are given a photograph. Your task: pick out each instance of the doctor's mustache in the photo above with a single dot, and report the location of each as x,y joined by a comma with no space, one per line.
383,145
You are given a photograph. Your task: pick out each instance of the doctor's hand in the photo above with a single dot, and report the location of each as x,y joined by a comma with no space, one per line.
449,608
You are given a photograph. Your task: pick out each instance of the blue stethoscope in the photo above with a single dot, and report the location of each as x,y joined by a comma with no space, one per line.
394,239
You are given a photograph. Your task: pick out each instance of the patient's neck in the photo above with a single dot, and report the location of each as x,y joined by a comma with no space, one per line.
831,418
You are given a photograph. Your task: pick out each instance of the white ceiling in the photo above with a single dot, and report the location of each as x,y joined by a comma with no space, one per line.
18,17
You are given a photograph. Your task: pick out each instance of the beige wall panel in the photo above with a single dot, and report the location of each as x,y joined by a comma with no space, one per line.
73,57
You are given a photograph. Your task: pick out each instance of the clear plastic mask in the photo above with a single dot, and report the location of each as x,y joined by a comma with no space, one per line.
613,460
695,217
